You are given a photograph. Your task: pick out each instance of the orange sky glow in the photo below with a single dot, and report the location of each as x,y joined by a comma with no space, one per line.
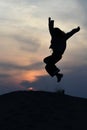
33,75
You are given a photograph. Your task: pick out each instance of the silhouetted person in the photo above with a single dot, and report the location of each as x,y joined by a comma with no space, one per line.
58,45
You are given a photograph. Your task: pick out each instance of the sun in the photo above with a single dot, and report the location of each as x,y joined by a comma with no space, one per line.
31,89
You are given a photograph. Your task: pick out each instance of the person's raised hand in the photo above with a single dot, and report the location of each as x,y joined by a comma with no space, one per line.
78,28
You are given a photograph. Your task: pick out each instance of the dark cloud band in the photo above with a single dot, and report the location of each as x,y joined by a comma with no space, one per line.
12,66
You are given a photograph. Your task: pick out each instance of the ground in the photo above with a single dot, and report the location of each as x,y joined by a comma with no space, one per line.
35,110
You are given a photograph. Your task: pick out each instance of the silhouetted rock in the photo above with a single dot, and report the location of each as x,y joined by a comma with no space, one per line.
25,110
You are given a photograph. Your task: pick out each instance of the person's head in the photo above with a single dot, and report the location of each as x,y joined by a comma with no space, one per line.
58,32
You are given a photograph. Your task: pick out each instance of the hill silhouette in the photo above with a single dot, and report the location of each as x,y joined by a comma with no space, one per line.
36,110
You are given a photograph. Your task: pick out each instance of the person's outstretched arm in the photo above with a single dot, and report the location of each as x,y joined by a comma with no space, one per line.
69,34
50,25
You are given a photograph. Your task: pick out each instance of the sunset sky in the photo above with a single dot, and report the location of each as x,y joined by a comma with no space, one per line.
25,41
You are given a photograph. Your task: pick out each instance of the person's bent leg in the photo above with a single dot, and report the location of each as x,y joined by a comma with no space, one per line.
52,59
47,60
51,69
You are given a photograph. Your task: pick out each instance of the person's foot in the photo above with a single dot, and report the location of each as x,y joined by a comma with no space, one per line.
59,77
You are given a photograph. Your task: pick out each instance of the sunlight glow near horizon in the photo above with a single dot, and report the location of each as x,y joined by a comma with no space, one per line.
25,39
31,89
33,75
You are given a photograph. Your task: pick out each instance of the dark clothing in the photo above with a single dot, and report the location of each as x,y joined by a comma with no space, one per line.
52,59
50,63
51,69
58,45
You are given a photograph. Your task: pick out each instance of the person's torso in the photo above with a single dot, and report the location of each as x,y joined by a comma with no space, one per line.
58,45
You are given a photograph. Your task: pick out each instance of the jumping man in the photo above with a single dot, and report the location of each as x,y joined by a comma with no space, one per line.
58,46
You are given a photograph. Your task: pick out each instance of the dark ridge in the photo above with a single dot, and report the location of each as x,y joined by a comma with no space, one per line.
39,110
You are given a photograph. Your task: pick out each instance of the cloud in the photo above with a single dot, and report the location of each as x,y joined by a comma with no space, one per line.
74,82
21,1
20,18
4,76
44,83
83,6
30,44
26,83
14,12
6,87
12,66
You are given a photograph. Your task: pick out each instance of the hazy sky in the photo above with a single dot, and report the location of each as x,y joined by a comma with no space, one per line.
25,40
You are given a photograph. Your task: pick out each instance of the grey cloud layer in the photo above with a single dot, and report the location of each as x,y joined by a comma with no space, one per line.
62,10
28,44
44,83
83,5
14,11
22,1
4,76
74,83
12,66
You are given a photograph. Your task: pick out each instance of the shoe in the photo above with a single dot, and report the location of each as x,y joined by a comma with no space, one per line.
59,77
